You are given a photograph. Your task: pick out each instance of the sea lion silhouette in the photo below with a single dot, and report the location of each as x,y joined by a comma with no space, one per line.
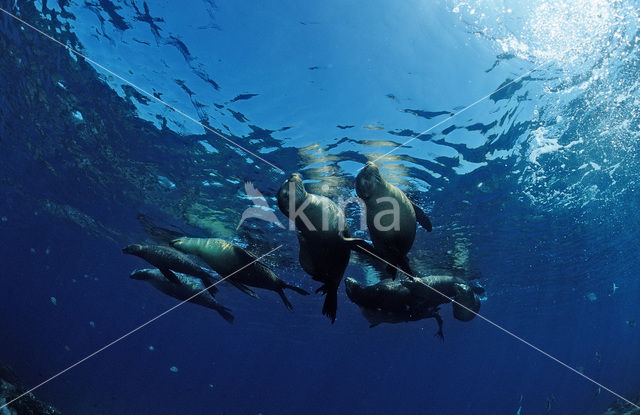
323,236
167,260
188,288
391,301
227,259
391,218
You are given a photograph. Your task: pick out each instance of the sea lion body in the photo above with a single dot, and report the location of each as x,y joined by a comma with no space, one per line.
329,266
323,236
436,289
238,265
188,288
392,301
168,259
391,217
464,295
387,295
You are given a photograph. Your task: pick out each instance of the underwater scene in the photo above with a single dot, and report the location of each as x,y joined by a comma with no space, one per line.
295,207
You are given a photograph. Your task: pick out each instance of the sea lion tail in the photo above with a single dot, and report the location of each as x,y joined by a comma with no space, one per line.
285,300
243,288
402,265
159,234
210,284
393,271
422,218
360,245
405,268
440,333
330,306
225,313
296,289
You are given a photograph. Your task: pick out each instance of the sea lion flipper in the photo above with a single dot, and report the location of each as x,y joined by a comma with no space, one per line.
210,285
422,218
405,268
225,313
296,289
393,271
330,306
285,300
159,234
440,333
168,274
360,245
243,288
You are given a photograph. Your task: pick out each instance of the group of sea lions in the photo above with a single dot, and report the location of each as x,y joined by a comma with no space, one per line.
404,300
325,249
193,283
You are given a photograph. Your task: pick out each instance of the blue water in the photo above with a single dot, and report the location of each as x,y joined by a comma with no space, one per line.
532,191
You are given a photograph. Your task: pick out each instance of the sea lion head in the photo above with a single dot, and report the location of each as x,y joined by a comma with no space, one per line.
368,180
140,274
466,303
353,289
134,249
293,186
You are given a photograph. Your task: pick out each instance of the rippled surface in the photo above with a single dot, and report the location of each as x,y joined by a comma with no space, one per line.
532,190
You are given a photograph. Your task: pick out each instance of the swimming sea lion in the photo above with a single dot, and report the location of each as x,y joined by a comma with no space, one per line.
391,301
323,236
187,288
226,258
409,300
391,217
167,259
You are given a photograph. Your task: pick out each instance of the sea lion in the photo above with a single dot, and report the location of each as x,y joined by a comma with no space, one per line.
391,218
167,260
323,236
187,288
226,258
392,301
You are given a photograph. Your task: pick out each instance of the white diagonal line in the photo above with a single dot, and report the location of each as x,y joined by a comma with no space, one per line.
496,325
460,112
206,127
124,336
